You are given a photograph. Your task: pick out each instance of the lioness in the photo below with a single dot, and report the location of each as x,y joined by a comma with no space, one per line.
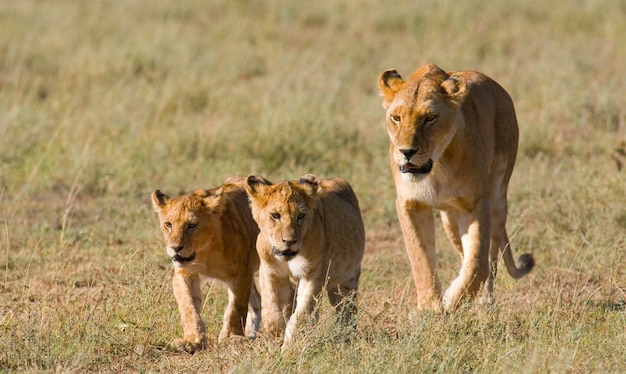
312,236
211,233
453,146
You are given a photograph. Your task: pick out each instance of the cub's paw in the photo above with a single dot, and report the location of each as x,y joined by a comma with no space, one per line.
183,345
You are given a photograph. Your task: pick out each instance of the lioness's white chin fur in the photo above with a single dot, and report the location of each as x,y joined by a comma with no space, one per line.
412,177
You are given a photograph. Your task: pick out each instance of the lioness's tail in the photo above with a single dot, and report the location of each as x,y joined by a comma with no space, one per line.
525,263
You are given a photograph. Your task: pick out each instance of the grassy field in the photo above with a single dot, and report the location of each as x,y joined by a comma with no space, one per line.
102,102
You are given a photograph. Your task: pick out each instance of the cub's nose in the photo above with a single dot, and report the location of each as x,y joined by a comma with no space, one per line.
289,243
408,152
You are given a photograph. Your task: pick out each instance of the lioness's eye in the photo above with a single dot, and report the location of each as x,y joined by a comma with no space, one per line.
192,226
275,216
396,119
301,217
430,119
168,225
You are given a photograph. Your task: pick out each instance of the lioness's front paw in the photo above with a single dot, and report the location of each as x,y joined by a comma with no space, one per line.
187,346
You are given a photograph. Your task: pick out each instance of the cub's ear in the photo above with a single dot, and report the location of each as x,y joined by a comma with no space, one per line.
202,193
159,200
389,83
236,180
455,90
255,184
310,182
214,200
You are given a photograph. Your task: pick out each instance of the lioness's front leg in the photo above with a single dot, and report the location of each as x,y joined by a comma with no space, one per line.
418,228
475,228
186,286
308,291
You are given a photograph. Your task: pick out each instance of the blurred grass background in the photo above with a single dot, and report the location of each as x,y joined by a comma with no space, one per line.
101,102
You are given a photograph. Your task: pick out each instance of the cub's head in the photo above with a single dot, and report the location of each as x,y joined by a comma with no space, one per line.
283,211
422,116
189,222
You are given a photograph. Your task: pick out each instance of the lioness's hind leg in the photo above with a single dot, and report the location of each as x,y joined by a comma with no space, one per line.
475,266
498,241
497,245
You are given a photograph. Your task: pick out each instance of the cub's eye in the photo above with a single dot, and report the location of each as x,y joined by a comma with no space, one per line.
275,216
396,119
168,225
430,119
301,217
192,226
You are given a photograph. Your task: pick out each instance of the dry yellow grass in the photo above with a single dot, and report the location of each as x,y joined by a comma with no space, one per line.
102,102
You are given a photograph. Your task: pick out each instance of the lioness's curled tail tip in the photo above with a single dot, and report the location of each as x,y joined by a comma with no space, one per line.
526,262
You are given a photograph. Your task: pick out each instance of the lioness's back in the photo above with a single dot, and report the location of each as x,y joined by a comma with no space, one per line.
495,102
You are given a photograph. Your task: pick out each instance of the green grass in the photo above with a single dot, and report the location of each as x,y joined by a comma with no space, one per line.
102,102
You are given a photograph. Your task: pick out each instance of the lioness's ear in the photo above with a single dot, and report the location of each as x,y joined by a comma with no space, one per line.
159,200
455,89
255,184
309,181
389,83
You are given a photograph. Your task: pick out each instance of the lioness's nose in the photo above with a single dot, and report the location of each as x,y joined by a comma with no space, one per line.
289,243
408,153
178,248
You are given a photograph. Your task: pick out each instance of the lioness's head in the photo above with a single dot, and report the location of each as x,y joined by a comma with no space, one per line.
283,211
422,116
188,222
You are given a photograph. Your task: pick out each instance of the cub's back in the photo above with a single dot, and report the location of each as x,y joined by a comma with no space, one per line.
237,217
342,217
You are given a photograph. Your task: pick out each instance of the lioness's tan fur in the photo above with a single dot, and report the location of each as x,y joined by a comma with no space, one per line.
211,233
312,237
453,144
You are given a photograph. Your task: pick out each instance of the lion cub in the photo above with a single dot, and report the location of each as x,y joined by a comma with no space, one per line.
312,237
211,233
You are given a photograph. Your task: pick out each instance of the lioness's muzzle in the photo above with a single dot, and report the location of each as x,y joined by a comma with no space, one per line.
414,169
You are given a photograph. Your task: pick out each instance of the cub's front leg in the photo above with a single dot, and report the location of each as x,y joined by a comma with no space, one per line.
307,294
276,297
186,286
